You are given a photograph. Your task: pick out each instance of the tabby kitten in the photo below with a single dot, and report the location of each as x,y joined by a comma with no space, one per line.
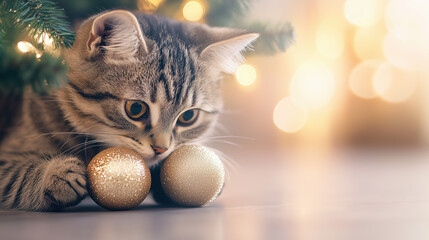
139,81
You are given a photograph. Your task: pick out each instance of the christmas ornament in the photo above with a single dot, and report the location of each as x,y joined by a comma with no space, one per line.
192,176
118,178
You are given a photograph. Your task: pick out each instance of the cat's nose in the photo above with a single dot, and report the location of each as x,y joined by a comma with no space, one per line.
159,150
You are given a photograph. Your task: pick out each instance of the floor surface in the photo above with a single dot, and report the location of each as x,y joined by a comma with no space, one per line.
330,196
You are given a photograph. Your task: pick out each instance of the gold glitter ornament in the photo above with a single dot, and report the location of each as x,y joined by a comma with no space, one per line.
192,176
118,178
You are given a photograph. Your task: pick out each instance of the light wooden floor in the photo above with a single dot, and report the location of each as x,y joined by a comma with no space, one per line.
379,195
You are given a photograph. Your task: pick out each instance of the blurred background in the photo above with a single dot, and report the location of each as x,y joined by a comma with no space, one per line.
356,77
350,75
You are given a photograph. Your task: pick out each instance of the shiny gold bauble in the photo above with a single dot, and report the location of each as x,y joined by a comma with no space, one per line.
192,176
118,178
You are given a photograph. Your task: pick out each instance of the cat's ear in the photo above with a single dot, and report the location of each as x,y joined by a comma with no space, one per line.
116,35
226,52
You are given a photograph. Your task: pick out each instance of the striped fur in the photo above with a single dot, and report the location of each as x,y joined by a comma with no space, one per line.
44,154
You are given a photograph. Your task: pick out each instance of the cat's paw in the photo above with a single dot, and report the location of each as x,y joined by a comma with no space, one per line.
64,182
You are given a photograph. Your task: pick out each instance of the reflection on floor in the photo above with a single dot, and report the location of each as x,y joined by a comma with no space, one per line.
337,196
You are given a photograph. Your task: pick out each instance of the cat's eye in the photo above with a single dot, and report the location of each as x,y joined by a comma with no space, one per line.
188,118
135,109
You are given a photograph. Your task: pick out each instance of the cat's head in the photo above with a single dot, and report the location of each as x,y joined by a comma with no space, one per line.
146,82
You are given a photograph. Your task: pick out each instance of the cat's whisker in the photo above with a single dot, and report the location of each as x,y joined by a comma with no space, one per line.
230,164
72,133
231,137
88,147
73,138
81,145
77,146
221,128
222,141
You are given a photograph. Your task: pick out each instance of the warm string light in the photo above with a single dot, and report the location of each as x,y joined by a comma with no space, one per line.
330,40
403,45
363,12
311,88
44,38
193,11
312,85
25,46
368,42
393,84
393,54
289,116
149,6
245,75
361,79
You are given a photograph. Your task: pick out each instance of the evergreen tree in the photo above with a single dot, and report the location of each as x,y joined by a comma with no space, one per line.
33,31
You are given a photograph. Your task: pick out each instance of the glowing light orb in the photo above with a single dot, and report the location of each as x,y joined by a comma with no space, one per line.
368,42
330,41
289,116
406,44
193,11
245,74
361,79
393,84
410,14
405,49
312,85
25,46
149,5
363,12
46,39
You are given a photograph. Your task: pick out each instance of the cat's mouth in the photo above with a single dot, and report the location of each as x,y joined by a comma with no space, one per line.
151,157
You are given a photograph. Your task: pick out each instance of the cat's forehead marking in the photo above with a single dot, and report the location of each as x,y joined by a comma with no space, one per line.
177,72
154,113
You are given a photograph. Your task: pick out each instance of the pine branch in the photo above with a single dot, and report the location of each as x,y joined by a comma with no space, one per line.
225,12
26,20
41,16
274,38
233,13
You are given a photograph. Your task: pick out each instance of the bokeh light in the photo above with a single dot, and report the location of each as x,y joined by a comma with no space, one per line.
361,79
245,74
149,5
402,49
330,40
25,46
363,12
312,85
406,44
368,42
394,84
410,13
193,11
46,39
288,116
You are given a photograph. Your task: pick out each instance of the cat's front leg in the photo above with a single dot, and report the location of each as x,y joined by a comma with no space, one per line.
33,182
